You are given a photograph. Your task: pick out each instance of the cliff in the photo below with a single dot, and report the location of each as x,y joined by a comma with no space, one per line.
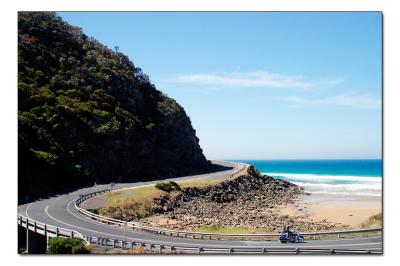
87,114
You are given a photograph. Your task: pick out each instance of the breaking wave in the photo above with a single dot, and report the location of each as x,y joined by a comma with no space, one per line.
335,184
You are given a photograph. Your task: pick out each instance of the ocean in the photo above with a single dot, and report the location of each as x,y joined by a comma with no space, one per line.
347,177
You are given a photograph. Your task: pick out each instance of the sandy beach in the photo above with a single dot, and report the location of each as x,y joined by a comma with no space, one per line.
352,211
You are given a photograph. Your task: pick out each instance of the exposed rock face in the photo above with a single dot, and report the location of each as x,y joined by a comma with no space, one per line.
86,114
242,190
249,201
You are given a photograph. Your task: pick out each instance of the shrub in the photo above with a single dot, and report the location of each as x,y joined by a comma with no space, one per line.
168,186
253,171
175,185
109,127
150,126
60,245
75,94
45,156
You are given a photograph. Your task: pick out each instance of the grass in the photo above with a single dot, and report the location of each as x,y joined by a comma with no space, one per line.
236,230
147,193
373,221
126,196
200,182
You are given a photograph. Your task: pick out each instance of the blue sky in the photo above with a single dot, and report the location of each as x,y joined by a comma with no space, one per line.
261,85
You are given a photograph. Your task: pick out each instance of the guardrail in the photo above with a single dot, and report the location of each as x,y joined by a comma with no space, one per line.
148,247
151,247
199,235
170,249
48,230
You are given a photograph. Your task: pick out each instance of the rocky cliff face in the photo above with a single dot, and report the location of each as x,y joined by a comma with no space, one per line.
86,114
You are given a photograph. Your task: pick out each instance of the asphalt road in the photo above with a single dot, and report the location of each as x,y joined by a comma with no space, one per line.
60,211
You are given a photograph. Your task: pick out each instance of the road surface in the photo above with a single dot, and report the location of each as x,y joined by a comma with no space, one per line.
60,211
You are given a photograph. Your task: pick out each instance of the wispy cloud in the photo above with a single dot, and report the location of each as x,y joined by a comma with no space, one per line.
255,79
350,100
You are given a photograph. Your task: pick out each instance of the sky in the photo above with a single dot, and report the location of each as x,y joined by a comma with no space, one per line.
267,85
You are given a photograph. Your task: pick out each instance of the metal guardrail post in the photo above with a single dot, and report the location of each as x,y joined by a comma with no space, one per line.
27,235
57,232
35,227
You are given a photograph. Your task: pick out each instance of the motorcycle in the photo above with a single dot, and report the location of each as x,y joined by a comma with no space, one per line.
292,237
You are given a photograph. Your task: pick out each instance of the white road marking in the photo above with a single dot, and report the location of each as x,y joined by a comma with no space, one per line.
26,210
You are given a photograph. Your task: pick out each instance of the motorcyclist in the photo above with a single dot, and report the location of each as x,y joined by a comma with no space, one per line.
284,231
290,233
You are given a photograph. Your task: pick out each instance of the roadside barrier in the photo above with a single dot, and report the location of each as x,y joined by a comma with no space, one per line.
168,249
157,248
48,230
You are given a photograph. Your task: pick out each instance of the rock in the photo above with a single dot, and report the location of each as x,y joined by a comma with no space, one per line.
246,201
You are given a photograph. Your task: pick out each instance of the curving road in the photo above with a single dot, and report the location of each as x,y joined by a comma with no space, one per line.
60,211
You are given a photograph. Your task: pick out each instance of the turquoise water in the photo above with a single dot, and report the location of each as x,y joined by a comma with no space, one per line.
355,177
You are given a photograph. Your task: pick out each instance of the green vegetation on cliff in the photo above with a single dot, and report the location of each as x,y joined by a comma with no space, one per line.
86,114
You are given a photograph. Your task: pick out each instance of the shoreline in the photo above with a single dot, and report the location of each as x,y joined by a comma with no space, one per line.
352,211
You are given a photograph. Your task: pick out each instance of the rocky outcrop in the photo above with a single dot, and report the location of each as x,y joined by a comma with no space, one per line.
251,201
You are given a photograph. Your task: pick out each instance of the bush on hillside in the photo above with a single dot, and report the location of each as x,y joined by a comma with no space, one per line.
253,171
168,186
60,245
